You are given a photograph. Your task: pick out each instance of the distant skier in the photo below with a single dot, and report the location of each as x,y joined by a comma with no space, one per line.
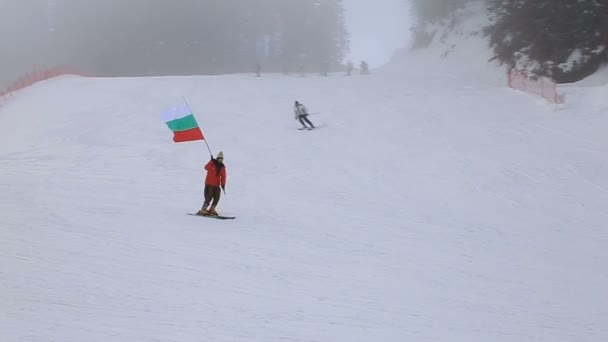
364,68
349,68
301,69
324,68
301,114
258,69
216,179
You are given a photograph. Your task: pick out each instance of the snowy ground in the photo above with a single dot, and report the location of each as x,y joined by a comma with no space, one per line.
433,206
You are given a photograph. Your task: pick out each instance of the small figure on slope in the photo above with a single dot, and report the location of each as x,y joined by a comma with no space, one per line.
364,68
301,113
258,69
215,182
349,68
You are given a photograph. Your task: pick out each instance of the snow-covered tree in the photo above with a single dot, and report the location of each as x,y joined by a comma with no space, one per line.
562,39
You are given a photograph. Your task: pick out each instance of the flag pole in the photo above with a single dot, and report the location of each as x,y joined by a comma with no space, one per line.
205,139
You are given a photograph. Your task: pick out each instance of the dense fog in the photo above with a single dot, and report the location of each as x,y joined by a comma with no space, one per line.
158,37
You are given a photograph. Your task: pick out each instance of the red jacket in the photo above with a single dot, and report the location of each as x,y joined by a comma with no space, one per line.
213,177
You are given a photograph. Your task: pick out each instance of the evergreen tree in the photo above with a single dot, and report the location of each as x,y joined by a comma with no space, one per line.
428,11
561,39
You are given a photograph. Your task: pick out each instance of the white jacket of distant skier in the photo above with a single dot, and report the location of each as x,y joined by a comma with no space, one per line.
299,110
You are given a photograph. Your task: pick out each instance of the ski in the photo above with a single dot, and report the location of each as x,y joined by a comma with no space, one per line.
217,217
311,129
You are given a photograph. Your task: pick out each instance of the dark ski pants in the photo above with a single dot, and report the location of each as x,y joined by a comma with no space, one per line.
212,195
304,120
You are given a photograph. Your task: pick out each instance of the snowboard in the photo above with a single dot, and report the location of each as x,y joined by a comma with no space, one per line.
217,217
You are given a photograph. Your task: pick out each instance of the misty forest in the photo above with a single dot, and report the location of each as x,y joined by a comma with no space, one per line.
562,39
157,37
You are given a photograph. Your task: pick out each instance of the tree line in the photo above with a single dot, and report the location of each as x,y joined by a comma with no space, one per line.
158,37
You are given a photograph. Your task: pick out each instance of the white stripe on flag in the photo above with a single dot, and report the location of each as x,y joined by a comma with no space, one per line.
175,113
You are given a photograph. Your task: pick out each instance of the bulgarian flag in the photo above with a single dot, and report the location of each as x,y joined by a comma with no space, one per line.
183,124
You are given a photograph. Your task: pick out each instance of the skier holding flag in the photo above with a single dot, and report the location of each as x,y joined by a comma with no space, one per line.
185,128
215,179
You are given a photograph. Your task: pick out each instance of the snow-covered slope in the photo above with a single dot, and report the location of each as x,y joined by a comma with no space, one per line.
431,207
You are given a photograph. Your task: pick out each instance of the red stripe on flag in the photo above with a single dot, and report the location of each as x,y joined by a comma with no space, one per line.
188,135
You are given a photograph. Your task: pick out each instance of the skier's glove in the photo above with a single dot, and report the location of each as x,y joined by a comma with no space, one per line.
224,188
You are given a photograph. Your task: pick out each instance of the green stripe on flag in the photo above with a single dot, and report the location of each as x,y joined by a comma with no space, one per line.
183,124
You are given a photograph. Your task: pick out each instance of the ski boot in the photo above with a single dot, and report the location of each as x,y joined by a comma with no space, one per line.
203,211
